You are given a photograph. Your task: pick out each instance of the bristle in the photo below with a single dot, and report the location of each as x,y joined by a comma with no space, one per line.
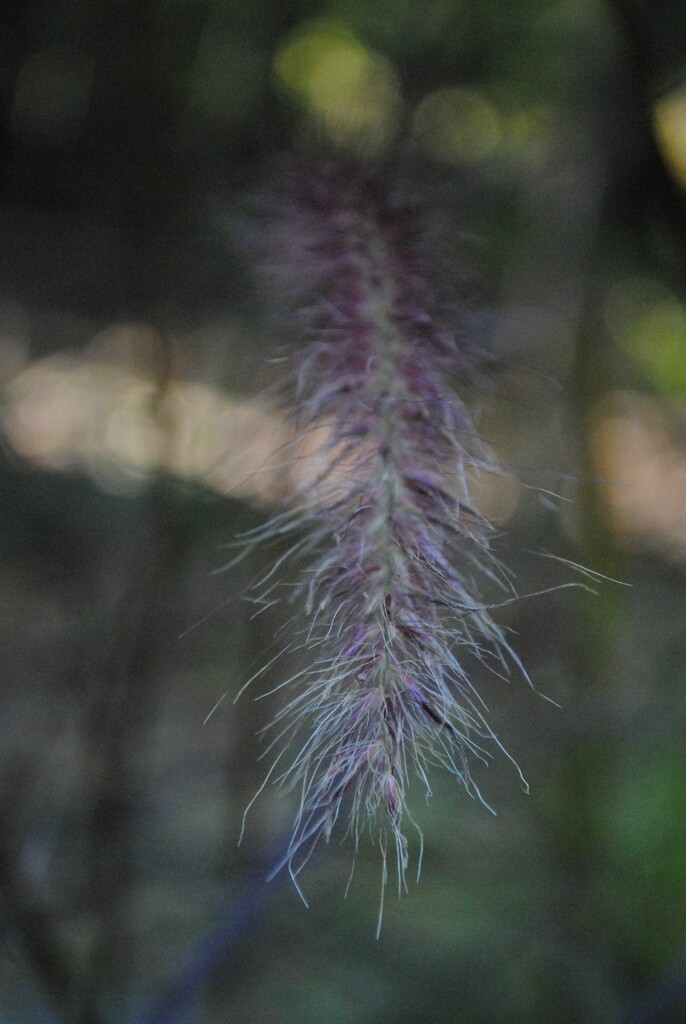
391,552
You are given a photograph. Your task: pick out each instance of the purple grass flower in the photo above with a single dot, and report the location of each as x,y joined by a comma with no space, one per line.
391,551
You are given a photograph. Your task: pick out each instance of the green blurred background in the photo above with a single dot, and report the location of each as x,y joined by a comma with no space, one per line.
549,137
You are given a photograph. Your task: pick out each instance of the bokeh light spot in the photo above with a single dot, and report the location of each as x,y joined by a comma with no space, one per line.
669,118
349,89
457,125
650,324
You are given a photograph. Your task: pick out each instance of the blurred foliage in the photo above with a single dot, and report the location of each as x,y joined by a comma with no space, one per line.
549,137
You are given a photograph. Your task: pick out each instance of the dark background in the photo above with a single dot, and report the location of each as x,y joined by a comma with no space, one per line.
549,137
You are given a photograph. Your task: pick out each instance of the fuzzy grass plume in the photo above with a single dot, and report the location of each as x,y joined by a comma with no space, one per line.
391,553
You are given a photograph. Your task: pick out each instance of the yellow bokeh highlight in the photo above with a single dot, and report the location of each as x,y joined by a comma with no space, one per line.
457,125
347,88
650,323
460,125
669,119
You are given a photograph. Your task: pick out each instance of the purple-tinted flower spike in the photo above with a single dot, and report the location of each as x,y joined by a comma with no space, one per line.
392,548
